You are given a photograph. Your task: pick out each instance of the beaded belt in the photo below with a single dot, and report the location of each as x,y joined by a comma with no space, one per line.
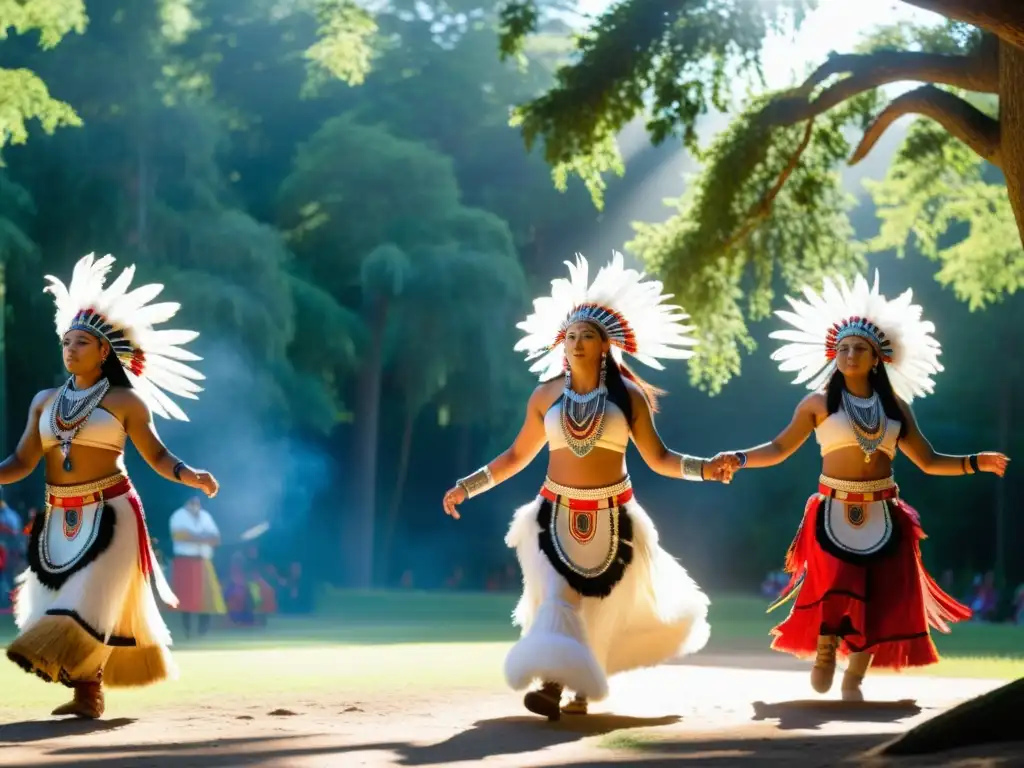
588,498
88,493
858,490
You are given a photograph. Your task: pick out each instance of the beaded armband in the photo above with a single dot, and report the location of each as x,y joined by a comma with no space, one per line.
692,467
477,483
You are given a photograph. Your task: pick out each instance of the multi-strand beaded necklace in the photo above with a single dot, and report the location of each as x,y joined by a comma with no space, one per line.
71,409
583,415
867,420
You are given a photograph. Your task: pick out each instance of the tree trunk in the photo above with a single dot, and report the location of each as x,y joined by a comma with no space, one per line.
1011,126
988,719
404,454
994,717
357,551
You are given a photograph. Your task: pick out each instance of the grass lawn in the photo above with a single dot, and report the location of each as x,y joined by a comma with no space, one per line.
449,639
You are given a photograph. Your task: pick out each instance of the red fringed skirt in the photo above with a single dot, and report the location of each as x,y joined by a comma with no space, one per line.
858,574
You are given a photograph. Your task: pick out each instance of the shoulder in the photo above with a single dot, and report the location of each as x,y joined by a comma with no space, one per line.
545,395
815,404
42,398
126,399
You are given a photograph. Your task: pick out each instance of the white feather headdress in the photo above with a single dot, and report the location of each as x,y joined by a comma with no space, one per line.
903,340
631,310
153,360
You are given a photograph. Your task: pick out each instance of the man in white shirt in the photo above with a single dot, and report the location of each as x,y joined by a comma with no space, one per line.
195,535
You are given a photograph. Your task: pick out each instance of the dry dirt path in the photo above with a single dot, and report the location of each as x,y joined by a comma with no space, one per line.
672,715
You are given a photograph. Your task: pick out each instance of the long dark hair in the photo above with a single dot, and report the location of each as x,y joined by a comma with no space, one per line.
114,372
616,385
879,381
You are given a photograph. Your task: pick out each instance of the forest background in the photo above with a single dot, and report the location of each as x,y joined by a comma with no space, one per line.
335,194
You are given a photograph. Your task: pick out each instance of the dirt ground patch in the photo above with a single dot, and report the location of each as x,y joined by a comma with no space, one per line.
671,715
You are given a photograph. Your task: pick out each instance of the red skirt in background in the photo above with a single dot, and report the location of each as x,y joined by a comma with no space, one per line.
885,605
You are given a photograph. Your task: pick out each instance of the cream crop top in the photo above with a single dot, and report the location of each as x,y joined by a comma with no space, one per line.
102,430
615,436
835,433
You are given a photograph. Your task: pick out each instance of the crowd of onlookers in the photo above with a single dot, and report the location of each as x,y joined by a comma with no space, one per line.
253,586
980,594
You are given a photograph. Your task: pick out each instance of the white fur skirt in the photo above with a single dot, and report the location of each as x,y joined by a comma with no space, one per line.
84,606
653,612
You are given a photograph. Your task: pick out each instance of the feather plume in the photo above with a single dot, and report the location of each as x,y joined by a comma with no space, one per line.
633,311
909,351
153,360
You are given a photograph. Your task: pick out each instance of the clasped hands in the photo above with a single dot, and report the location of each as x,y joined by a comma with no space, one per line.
722,467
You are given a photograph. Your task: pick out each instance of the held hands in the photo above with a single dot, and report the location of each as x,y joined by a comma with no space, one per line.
201,480
452,499
722,467
993,462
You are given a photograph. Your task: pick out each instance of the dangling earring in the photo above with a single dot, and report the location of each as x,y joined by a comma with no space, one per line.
874,368
604,369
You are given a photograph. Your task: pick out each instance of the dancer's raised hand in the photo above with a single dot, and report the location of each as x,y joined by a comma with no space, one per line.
995,463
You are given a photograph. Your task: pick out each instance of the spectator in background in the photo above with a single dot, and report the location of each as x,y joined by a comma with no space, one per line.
195,534
11,538
986,598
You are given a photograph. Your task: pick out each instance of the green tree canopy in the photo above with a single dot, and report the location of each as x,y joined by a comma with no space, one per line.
768,201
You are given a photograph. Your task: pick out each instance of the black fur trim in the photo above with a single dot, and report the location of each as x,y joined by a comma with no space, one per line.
839,553
115,641
598,586
55,581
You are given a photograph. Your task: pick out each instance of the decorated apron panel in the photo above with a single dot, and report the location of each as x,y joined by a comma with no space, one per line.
856,531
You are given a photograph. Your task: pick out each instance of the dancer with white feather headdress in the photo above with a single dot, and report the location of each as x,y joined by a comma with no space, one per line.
84,607
600,595
861,589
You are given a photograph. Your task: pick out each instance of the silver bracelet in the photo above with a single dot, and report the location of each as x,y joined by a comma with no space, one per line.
692,468
479,482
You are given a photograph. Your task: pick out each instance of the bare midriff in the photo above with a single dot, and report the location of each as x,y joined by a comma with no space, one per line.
87,465
849,464
598,469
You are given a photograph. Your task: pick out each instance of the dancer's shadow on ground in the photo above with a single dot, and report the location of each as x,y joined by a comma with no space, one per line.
518,735
811,714
39,730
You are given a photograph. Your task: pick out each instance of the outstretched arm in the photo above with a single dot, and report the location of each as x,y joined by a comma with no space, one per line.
514,459
142,431
29,450
788,441
917,448
653,450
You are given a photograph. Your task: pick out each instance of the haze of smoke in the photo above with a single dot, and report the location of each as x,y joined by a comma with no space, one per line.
235,432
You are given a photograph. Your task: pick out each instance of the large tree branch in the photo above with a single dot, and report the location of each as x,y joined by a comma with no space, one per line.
978,72
760,210
1004,18
972,126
